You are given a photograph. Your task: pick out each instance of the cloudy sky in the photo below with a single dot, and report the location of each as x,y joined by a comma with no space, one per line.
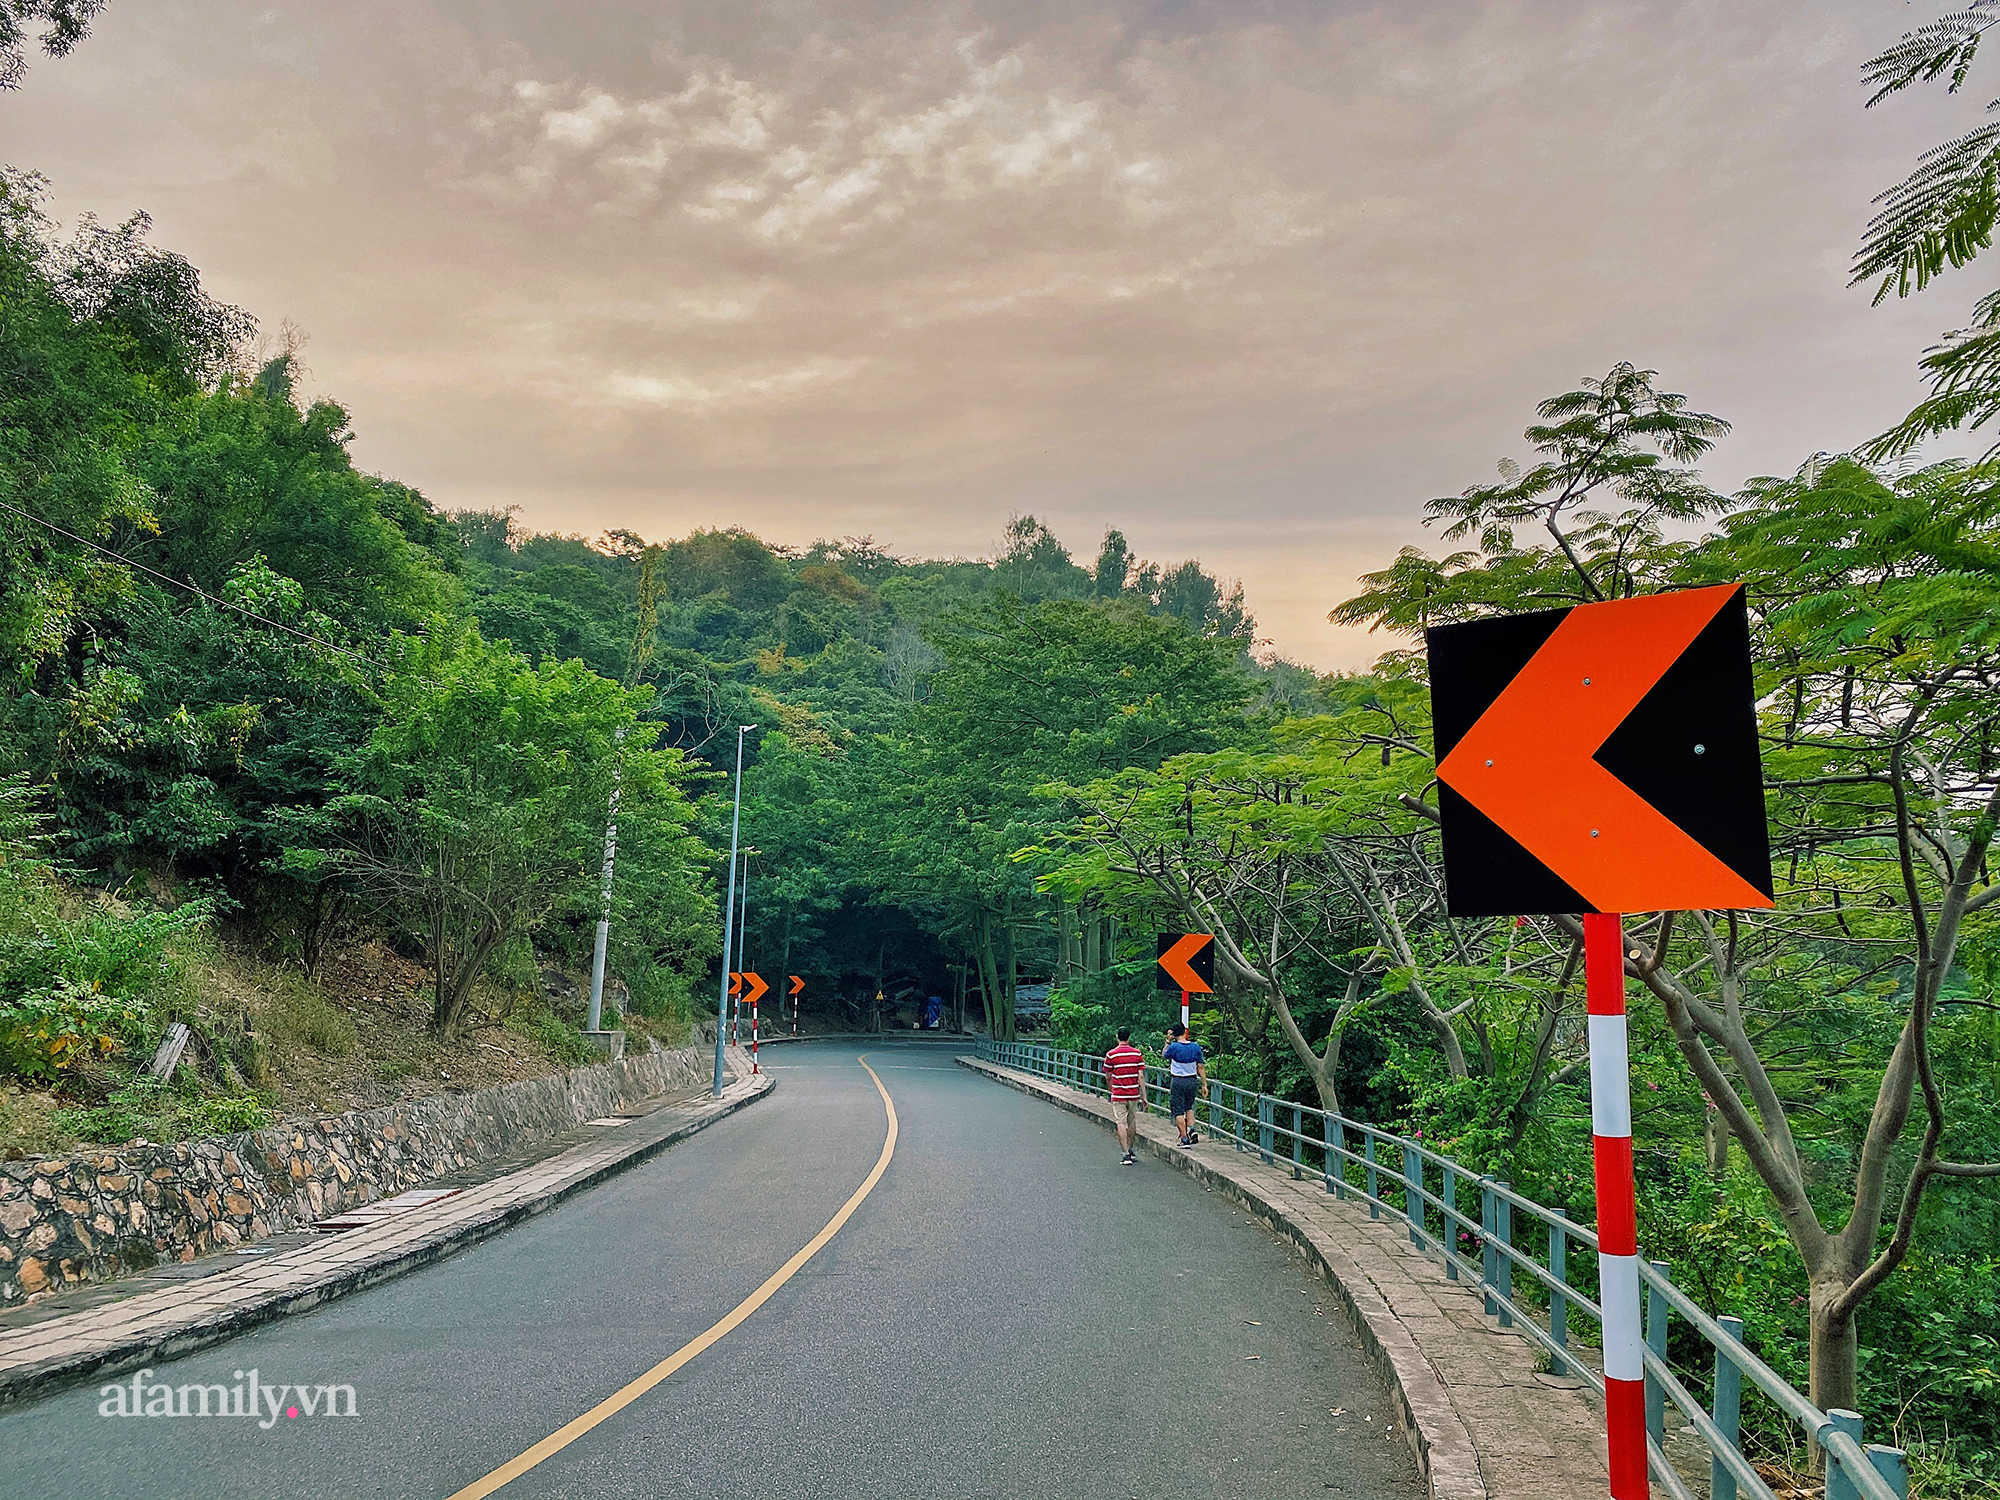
1250,280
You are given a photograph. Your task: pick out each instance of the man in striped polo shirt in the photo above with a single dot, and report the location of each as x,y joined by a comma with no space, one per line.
1125,1073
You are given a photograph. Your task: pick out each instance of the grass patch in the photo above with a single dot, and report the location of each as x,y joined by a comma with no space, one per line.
563,1044
29,1125
303,1014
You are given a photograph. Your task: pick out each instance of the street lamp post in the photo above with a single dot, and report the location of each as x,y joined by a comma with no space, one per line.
729,911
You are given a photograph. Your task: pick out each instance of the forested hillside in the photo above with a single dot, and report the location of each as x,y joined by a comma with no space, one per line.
300,705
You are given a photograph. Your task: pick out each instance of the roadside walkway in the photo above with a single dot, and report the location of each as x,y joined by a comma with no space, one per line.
119,1332
1486,1425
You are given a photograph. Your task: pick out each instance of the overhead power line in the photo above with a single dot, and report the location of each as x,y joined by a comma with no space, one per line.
191,588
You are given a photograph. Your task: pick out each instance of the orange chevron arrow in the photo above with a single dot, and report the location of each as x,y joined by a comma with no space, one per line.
797,984
735,983
1526,763
1175,962
753,987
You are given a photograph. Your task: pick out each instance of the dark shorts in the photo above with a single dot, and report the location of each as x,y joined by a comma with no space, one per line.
1183,1091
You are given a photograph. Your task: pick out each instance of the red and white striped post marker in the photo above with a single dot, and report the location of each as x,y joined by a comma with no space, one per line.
1604,757
1617,1216
753,1035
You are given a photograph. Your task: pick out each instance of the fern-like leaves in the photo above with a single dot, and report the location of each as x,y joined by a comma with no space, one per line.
1924,55
1941,215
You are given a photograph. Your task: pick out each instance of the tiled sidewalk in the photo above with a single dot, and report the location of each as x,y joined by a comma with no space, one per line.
160,1325
1484,1423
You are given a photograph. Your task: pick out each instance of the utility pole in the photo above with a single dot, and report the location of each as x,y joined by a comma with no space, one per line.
729,911
636,661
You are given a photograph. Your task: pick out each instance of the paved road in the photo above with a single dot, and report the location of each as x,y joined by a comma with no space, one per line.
1009,1313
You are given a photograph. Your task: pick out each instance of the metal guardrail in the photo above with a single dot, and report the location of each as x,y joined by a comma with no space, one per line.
1395,1176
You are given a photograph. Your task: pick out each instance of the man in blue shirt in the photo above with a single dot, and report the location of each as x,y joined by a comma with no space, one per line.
1187,1076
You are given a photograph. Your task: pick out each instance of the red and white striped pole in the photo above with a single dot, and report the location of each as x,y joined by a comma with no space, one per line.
1617,1216
1184,1010
753,1034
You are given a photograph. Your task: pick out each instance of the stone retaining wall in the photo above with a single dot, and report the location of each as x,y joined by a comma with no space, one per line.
97,1215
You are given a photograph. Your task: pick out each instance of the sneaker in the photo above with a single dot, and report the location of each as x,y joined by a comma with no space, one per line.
1193,1139
1187,1140
1128,1160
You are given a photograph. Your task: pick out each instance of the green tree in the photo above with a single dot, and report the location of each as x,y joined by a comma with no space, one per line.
1064,691
1874,601
475,812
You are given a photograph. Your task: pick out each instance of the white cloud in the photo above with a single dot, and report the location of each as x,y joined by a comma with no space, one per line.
698,396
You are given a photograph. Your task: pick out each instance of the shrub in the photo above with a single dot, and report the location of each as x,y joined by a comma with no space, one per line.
74,983
564,1045
142,1108
45,1031
229,1115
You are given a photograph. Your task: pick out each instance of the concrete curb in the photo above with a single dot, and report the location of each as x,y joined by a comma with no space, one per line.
1445,1453
27,1381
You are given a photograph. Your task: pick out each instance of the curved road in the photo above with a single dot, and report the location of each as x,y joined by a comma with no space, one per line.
1008,1313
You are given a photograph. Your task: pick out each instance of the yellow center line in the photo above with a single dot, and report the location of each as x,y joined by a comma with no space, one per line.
563,1436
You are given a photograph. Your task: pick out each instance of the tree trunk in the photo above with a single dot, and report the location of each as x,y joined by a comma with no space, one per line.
989,976
452,996
1324,1070
1715,1140
1834,1349
1009,977
1093,942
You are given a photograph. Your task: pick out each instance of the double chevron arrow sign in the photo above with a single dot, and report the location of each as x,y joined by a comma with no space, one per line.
1595,761
1187,962
1602,758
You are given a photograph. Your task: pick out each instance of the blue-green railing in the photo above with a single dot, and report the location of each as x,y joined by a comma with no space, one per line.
1405,1180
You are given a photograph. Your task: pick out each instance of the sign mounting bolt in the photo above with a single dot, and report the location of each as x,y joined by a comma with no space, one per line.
1701,749
1593,833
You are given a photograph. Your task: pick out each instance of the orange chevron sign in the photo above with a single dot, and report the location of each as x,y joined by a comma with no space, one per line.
797,984
1187,962
1601,758
735,983
754,988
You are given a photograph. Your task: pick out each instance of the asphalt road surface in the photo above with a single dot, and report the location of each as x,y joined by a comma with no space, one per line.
1008,1313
